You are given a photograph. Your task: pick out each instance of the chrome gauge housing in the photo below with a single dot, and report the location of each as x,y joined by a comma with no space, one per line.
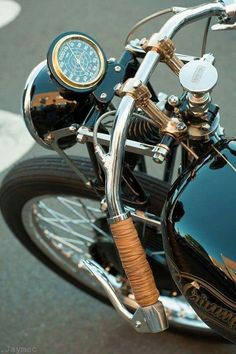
46,108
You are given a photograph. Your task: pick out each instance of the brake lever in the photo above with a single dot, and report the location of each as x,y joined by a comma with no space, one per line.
223,27
227,21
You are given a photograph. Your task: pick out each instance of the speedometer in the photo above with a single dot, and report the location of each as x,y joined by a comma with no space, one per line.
76,61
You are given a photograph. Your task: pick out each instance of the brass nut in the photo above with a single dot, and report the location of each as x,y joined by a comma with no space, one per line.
164,47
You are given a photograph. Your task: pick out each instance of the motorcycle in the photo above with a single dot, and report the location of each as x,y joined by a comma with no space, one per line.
160,252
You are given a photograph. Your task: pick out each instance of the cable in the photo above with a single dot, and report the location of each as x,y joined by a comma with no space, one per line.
145,20
204,41
98,122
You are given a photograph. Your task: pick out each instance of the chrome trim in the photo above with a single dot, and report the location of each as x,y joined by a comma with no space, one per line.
62,76
176,22
120,217
150,319
113,167
113,162
98,272
179,312
147,218
26,102
133,46
147,67
104,139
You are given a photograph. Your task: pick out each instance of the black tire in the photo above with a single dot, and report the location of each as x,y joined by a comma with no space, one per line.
51,175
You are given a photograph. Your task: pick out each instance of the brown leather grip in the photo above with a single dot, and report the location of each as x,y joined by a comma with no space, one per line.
134,261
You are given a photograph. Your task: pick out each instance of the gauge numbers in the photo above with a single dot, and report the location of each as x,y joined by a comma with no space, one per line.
78,61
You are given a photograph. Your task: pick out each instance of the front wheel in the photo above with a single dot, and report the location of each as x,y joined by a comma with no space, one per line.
59,220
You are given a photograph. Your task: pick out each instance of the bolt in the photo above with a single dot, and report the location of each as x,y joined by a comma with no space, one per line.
118,87
103,96
137,83
49,138
195,284
81,138
118,279
103,205
158,158
142,41
80,265
181,126
160,154
205,126
73,128
138,324
173,100
88,184
117,68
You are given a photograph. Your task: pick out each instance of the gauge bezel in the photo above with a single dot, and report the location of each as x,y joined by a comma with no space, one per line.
58,74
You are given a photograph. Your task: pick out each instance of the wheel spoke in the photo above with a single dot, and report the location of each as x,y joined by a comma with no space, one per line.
55,227
95,227
64,242
69,230
60,224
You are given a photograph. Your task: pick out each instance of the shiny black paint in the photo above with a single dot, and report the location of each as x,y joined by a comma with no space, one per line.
51,109
199,236
111,79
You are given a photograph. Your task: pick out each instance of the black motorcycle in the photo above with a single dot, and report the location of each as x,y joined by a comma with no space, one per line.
159,251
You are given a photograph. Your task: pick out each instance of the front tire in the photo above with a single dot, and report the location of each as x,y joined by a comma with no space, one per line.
33,200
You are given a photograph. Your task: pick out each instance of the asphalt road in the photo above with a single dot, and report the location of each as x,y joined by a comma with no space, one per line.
38,310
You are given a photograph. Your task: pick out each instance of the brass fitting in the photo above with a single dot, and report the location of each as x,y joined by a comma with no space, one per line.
142,96
166,49
137,90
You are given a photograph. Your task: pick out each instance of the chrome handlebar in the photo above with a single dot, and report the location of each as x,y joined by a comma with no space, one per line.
113,161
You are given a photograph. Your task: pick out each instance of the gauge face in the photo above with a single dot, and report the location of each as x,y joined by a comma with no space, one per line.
78,61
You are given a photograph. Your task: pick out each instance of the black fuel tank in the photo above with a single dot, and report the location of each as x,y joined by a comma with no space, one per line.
199,236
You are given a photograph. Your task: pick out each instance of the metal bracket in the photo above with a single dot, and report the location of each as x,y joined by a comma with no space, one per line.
150,319
86,135
52,139
166,49
142,97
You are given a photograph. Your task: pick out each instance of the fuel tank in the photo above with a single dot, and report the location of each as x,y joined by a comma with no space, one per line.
199,237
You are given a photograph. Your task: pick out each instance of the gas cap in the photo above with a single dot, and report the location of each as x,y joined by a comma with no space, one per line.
198,76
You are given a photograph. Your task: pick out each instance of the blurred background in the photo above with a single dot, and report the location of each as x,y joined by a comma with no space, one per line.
38,310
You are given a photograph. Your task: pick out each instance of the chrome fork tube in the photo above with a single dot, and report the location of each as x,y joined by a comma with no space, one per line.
116,157
114,160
